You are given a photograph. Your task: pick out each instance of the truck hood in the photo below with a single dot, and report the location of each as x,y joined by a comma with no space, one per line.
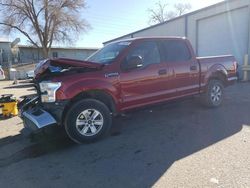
63,65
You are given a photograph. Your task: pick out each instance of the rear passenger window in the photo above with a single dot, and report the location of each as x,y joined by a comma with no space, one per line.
175,51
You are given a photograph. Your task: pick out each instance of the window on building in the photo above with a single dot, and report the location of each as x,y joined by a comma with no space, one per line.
54,54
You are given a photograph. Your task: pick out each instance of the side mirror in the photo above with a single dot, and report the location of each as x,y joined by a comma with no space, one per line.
134,62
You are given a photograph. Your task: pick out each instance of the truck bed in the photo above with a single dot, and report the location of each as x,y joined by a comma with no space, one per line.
225,64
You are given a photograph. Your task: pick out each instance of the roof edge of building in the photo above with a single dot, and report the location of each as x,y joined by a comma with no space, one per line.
173,19
67,48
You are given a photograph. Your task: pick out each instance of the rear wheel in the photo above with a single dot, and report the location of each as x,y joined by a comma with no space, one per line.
87,121
214,94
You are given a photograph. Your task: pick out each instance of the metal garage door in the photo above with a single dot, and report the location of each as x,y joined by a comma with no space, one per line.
225,33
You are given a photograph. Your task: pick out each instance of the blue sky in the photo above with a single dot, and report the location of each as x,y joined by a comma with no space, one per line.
116,18
111,18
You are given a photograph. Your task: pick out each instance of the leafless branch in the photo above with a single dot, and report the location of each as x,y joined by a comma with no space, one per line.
44,22
161,12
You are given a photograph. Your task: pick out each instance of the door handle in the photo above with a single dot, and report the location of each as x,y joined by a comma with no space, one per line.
193,67
162,72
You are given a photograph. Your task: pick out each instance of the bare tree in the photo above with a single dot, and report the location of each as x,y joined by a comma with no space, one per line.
162,13
182,8
43,22
158,14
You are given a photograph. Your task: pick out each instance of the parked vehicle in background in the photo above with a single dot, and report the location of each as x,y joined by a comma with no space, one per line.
2,76
30,74
83,96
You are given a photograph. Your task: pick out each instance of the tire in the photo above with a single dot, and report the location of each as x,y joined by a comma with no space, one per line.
214,94
87,120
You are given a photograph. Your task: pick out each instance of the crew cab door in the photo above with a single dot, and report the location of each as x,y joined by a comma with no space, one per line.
183,68
142,84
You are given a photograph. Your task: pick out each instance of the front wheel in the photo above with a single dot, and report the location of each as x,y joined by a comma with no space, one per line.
214,94
87,121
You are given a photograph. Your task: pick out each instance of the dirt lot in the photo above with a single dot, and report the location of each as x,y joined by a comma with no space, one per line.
180,144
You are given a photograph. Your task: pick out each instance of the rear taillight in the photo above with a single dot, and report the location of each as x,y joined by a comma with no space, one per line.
235,66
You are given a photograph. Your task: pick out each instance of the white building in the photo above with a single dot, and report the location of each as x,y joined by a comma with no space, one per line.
24,58
28,54
223,28
23,54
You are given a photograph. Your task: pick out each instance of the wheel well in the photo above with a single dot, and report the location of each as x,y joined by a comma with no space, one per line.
219,76
98,95
93,94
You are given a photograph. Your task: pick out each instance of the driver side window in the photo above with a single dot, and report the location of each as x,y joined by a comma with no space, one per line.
148,51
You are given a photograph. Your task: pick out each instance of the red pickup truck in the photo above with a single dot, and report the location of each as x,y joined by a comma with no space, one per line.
83,96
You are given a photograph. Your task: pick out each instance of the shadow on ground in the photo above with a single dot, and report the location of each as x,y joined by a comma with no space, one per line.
41,143
142,146
25,81
44,142
20,86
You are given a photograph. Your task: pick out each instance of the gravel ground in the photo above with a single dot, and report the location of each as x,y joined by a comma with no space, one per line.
180,144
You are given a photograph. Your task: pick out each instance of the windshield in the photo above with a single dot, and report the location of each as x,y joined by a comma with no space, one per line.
108,53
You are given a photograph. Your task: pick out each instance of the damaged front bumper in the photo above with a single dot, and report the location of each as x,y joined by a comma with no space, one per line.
37,116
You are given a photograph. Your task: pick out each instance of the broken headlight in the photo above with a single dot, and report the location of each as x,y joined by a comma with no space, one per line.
48,91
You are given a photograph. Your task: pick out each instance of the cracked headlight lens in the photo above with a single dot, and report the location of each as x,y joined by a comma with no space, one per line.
48,91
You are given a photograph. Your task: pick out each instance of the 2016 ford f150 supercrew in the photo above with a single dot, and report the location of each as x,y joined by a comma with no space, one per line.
83,96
